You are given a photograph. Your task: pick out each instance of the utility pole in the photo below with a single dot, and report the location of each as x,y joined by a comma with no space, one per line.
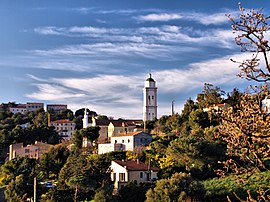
35,189
173,107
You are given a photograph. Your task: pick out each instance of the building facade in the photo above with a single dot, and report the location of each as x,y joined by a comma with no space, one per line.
127,141
65,128
34,106
28,107
56,107
19,108
149,99
123,172
30,151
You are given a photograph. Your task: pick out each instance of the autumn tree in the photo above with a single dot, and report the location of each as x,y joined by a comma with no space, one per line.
245,127
251,27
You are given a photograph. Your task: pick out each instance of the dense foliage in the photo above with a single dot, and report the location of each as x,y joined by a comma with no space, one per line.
216,149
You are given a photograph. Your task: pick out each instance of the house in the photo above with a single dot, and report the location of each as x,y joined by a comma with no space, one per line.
123,172
126,141
18,108
65,128
108,128
28,107
103,132
34,106
31,151
119,126
56,107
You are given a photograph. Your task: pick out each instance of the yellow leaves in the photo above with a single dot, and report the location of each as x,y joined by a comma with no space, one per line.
165,162
130,156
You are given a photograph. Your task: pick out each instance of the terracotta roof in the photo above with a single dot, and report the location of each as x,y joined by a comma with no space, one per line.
119,123
135,166
128,134
62,121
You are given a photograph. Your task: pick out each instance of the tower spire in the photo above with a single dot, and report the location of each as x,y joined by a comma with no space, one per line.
149,99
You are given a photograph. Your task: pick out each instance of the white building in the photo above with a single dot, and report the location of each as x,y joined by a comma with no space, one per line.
65,128
149,99
28,107
19,108
266,104
127,141
123,172
34,106
56,107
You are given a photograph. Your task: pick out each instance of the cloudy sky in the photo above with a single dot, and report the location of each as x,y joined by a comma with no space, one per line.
98,53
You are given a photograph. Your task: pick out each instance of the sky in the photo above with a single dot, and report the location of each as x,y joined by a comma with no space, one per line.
97,54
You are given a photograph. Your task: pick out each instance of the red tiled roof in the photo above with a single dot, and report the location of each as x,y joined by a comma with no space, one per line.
127,134
62,121
135,166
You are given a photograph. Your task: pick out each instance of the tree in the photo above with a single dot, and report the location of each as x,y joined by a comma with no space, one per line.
246,132
52,162
211,95
197,154
16,190
91,133
17,166
233,98
188,108
84,174
246,129
252,27
134,192
179,187
104,194
80,112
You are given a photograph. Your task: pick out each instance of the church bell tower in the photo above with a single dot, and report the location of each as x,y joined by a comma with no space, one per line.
149,99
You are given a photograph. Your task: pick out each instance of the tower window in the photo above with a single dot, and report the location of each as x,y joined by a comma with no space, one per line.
149,99
153,97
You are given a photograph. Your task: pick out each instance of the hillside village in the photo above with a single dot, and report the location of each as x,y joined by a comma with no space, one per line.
133,154
216,149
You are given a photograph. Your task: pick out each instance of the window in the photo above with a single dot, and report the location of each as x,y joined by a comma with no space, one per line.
122,177
153,97
141,174
128,140
148,176
27,150
114,177
123,141
115,141
149,99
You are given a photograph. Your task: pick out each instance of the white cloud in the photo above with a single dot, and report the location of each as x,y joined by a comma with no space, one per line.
51,30
202,18
121,95
208,19
159,17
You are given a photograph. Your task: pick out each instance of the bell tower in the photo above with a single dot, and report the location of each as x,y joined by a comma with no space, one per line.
149,99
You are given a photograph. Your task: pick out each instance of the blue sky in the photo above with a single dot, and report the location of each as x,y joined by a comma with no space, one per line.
97,54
